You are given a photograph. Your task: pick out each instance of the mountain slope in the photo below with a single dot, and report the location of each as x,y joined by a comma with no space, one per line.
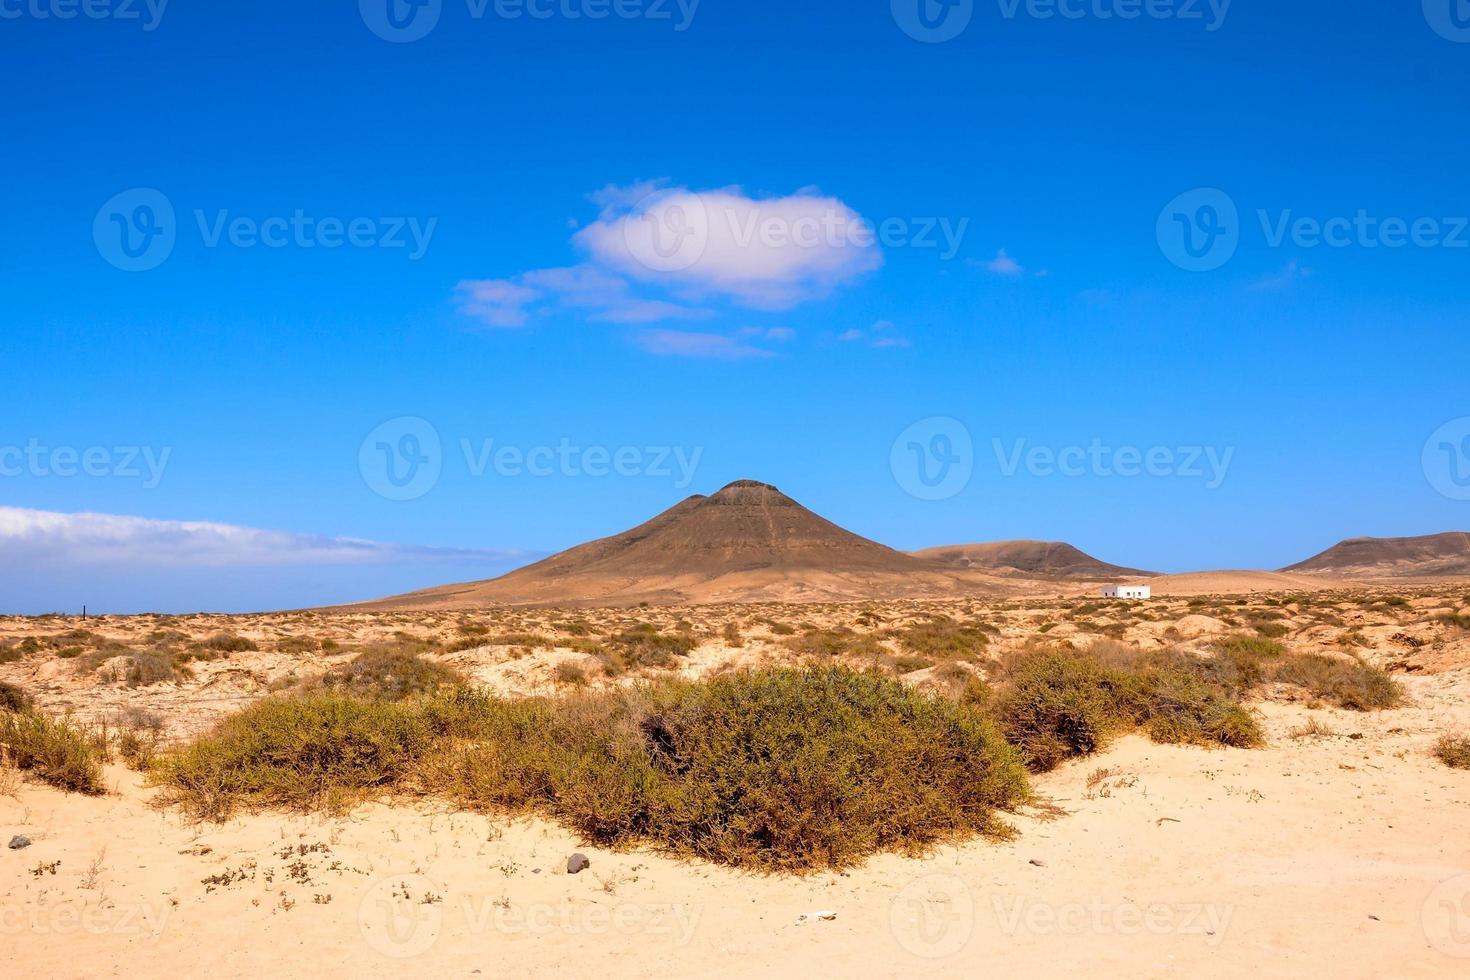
1032,558
1430,555
748,542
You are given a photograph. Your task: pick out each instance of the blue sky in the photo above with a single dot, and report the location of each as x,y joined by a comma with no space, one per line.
997,263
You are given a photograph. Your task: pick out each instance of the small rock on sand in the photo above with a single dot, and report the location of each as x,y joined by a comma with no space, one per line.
577,863
17,842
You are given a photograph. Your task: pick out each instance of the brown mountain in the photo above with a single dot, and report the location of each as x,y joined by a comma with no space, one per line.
1050,559
1431,555
748,542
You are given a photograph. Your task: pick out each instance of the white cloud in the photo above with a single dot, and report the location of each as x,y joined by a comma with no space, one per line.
496,302
509,303
1004,265
778,335
880,335
712,346
47,538
766,253
1290,274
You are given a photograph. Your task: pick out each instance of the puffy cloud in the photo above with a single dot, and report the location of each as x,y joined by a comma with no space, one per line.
766,253
48,538
1004,265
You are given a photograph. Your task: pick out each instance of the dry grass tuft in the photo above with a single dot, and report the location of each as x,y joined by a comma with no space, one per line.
1453,751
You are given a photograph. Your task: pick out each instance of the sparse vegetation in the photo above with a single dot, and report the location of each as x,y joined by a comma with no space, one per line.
12,698
1348,684
942,638
54,750
1453,751
390,673
776,770
1061,703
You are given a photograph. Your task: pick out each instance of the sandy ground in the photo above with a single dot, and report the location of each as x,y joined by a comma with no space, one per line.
1340,855
1337,856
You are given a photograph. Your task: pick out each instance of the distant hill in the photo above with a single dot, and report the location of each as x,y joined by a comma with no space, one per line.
748,542
1428,556
1051,559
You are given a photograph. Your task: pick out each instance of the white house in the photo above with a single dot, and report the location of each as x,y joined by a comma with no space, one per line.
1128,592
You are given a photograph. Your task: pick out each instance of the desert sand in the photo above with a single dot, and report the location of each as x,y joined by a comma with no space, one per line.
1340,854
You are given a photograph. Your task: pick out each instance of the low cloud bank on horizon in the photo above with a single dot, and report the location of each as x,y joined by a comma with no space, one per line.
52,539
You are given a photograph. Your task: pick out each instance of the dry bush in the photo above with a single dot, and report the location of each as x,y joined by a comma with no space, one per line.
12,698
776,770
840,642
641,646
1060,703
1313,728
570,673
389,672
227,643
56,751
1346,683
1453,751
942,638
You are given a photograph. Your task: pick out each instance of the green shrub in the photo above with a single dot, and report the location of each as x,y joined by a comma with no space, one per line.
389,673
775,770
323,749
644,646
56,751
943,639
1060,703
